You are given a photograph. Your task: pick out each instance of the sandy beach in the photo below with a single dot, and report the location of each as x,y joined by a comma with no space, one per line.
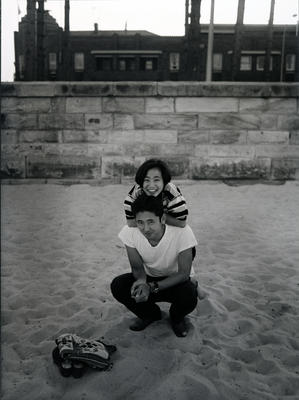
60,251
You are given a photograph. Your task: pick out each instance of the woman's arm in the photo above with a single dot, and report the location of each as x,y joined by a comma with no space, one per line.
131,223
170,220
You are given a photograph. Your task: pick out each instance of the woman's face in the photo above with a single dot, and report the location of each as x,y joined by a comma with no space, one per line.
153,182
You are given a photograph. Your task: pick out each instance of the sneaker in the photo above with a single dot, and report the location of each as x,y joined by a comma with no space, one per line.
179,328
141,324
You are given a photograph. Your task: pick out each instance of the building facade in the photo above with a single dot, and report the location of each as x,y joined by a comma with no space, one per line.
44,51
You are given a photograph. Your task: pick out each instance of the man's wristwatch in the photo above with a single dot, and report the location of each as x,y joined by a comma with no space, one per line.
154,287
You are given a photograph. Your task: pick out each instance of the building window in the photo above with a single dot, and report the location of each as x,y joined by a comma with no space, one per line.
122,65
21,66
52,63
148,63
79,62
126,64
104,63
290,62
217,62
246,63
260,63
174,61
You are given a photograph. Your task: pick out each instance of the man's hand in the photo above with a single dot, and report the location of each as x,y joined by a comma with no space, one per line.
140,291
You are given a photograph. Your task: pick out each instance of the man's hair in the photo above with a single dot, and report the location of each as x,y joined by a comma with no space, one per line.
149,164
148,203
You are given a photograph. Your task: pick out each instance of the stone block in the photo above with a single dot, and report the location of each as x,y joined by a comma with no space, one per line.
268,137
221,121
206,104
66,149
294,137
82,136
84,105
277,151
159,105
149,150
33,136
177,150
194,136
9,136
225,89
142,136
22,149
117,167
98,121
107,149
58,105
223,168
179,89
228,136
201,150
36,89
159,136
123,121
84,89
123,104
280,105
178,166
12,166
170,121
230,151
19,121
52,166
285,169
288,122
61,121
142,89
152,150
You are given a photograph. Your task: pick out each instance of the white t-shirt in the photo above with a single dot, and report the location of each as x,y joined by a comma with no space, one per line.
160,260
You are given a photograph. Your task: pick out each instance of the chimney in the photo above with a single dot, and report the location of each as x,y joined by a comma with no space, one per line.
67,16
96,27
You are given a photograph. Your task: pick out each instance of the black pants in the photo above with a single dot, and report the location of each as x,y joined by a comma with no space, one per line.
183,298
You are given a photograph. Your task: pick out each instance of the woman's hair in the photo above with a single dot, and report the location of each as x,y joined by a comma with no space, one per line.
148,203
149,164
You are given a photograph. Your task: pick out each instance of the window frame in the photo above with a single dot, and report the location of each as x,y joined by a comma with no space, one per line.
215,68
52,60
292,67
79,64
174,61
243,57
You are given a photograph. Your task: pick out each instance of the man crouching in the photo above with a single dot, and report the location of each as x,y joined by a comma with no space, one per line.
160,256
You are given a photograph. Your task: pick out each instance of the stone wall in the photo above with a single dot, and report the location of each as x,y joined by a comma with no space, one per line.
105,130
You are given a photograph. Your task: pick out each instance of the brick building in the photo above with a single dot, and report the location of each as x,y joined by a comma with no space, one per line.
61,54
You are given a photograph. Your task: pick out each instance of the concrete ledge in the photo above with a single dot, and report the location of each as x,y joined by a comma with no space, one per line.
136,89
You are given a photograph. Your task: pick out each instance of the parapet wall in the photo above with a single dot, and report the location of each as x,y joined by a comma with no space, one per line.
105,130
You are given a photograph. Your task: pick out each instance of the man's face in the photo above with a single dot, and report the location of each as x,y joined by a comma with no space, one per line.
150,225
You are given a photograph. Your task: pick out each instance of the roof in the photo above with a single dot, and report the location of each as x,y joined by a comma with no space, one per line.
112,32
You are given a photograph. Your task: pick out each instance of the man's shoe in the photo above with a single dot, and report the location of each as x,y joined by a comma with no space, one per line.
179,328
141,324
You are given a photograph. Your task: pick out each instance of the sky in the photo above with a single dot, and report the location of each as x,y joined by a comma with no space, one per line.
163,17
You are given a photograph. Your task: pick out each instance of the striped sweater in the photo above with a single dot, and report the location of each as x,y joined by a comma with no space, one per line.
173,201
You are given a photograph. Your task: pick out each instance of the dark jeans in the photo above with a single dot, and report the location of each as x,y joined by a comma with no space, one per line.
183,298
